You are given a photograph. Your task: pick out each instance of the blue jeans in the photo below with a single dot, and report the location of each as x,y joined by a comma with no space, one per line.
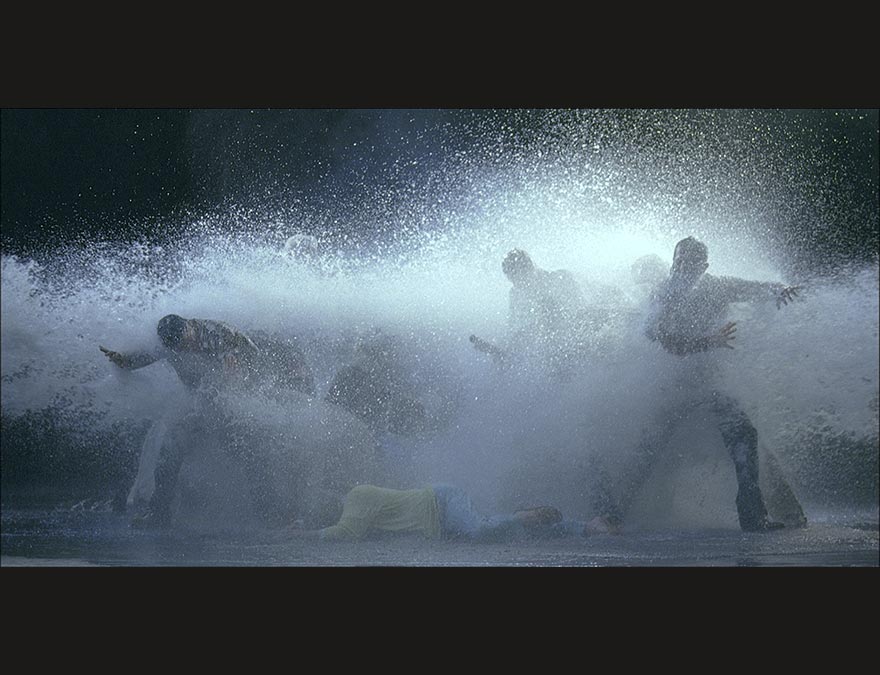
459,518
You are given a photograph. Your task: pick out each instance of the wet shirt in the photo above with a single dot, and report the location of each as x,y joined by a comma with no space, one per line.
213,341
201,363
218,339
376,389
282,364
681,322
545,316
368,507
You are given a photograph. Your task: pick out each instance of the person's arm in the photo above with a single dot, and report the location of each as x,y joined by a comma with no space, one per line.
744,290
497,353
130,360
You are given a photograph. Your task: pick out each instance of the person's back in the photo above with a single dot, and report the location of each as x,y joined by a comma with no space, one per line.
371,508
281,364
548,304
375,388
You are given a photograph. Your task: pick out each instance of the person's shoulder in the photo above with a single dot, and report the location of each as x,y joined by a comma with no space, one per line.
728,282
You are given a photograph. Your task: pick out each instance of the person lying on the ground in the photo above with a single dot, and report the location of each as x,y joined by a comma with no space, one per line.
436,512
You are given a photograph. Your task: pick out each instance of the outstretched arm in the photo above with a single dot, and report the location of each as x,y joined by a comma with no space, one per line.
743,290
130,360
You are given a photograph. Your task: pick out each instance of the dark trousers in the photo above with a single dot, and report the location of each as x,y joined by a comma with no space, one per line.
740,438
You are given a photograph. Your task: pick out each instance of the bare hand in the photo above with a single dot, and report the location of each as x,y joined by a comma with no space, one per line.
787,295
115,357
723,337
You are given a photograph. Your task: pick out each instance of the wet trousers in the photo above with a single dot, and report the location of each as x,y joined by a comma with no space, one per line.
740,438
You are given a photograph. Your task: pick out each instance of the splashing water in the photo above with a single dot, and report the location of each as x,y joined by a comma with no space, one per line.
434,279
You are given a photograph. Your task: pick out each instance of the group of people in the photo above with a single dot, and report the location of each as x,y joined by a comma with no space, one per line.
685,314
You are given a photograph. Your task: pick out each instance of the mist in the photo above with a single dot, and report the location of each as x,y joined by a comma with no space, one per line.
418,255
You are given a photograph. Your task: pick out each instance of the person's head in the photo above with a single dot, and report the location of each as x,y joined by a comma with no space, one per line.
518,266
172,331
649,269
690,258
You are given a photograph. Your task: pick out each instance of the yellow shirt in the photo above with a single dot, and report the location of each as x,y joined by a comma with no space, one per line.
369,507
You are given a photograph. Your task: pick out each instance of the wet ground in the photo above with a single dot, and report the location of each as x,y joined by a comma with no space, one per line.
85,535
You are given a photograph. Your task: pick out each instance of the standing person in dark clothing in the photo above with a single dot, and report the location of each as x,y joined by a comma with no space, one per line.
686,315
211,357
546,317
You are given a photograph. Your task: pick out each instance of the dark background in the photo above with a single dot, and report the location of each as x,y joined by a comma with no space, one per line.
70,174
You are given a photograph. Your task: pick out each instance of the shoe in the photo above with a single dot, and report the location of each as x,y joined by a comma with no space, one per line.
540,515
151,520
763,525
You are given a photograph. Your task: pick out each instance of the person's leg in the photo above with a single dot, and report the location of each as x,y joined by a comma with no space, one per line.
612,499
779,497
741,440
171,454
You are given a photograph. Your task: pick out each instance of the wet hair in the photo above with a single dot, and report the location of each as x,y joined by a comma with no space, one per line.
692,249
171,329
516,262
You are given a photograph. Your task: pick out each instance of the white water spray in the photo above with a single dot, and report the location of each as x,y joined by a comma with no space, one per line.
514,439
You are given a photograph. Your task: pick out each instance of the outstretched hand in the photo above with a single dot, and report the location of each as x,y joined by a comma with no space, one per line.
115,357
723,337
786,295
